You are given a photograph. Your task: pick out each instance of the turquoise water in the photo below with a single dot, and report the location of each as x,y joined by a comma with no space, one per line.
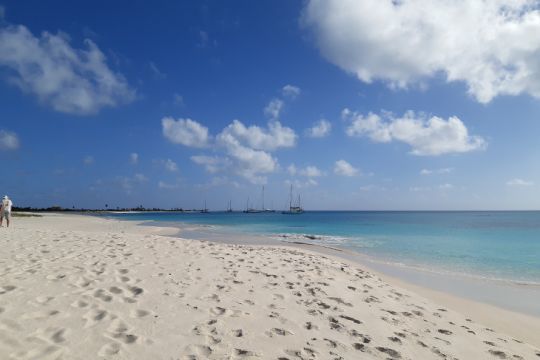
494,245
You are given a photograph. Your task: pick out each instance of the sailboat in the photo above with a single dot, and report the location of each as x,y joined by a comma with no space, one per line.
229,208
296,209
250,210
205,210
263,208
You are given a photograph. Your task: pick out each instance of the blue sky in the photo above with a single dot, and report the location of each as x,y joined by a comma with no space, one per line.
358,104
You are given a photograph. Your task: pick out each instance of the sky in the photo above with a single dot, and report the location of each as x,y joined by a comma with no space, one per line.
358,104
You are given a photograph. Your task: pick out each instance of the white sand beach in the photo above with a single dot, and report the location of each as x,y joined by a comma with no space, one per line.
81,287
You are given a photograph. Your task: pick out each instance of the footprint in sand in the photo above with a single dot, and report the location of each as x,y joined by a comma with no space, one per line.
109,349
7,288
93,317
138,313
278,331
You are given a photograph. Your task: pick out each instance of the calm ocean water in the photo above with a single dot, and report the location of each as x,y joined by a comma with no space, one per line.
493,245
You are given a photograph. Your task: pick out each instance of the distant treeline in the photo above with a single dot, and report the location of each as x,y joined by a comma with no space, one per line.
73,209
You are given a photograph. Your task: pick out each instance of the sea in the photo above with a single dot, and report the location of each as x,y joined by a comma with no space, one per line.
502,246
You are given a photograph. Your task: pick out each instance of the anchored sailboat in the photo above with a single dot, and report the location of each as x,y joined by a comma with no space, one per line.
250,210
263,208
205,210
294,208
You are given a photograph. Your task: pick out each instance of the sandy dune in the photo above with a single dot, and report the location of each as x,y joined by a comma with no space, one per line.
74,287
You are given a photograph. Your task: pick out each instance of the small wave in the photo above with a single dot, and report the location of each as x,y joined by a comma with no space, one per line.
313,238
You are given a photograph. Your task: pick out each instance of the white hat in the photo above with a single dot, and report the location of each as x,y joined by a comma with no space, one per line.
5,197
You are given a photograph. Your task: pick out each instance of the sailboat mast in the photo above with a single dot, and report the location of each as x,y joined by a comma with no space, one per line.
290,198
263,197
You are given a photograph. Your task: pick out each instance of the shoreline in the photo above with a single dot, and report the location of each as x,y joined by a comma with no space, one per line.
86,287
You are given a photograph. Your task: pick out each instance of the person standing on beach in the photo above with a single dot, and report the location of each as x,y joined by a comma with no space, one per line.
5,211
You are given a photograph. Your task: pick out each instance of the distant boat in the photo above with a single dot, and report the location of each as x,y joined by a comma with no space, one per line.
263,208
229,208
296,208
205,210
250,210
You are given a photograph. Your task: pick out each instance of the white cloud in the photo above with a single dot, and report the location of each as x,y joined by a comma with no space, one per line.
249,163
185,131
168,186
433,136
212,164
320,129
8,140
519,182
255,137
170,165
343,168
75,81
491,46
88,160
436,171
446,186
246,148
301,184
310,171
249,147
133,158
273,109
290,91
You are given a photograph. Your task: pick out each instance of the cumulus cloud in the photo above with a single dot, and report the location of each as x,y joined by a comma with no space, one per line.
491,46
343,168
290,91
133,158
170,165
273,109
276,136
185,132
75,81
519,182
212,164
310,171
436,171
427,136
249,163
8,140
249,147
246,149
320,129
